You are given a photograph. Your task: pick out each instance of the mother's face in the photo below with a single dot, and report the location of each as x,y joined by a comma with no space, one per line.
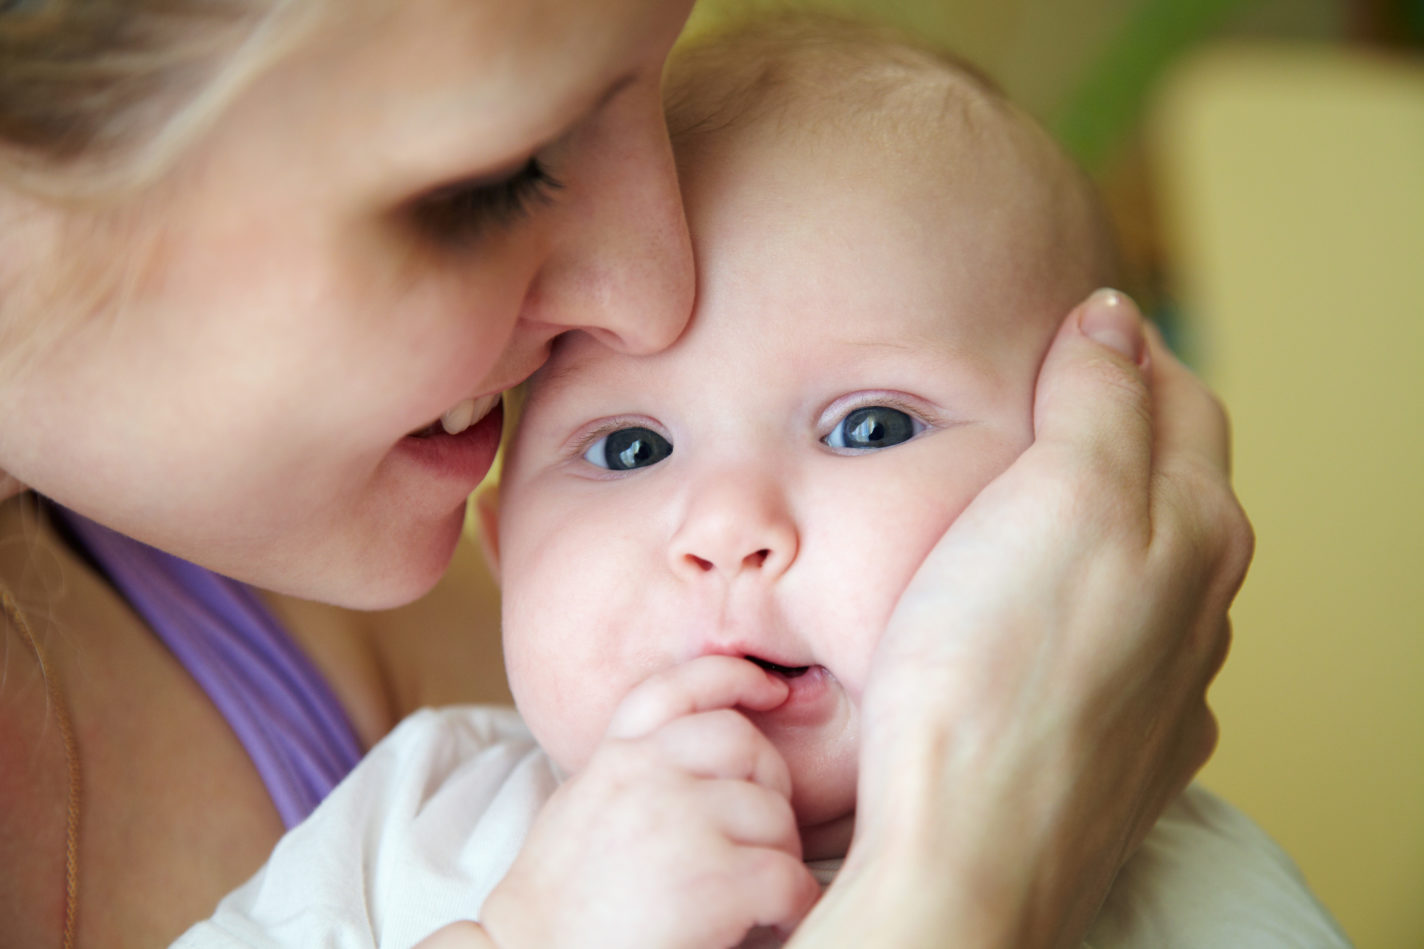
397,219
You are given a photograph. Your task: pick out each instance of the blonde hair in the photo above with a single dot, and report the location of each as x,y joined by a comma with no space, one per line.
838,73
98,98
833,68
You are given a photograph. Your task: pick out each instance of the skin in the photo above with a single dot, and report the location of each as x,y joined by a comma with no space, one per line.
247,404
179,391
1048,751
181,814
760,535
832,298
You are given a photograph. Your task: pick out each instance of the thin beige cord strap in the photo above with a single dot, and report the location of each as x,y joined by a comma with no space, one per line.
71,758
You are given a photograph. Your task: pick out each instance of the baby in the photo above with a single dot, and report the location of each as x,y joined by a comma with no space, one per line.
699,549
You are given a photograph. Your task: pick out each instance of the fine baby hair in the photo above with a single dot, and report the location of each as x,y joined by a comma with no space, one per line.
808,73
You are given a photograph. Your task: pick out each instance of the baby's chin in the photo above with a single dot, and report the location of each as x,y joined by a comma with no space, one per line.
828,840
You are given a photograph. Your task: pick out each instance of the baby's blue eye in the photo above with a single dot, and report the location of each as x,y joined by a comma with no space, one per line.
628,448
873,426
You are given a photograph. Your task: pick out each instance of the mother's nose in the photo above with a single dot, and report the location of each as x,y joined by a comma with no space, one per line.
621,265
735,525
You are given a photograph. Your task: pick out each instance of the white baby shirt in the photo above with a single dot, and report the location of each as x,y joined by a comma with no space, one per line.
429,822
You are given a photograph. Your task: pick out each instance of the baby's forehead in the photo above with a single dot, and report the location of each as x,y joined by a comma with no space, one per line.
948,206
876,206
885,107
807,74
925,120
781,296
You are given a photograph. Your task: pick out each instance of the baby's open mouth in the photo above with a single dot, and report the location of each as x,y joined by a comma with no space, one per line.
786,672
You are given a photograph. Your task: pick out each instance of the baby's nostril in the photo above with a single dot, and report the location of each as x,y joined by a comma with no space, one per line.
758,558
697,561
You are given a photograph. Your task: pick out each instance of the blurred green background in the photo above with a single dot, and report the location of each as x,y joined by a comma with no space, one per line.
1264,163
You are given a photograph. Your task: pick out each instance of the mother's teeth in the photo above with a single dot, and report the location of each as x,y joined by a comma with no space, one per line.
458,417
464,414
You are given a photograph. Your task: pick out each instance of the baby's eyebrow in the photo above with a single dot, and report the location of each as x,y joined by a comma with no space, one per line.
880,342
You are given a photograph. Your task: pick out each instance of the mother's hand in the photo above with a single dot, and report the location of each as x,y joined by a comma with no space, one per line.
1040,694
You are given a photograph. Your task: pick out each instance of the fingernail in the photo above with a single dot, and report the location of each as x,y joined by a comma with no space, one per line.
1111,319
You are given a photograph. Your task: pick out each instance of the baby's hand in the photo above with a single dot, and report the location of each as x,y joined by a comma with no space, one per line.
678,832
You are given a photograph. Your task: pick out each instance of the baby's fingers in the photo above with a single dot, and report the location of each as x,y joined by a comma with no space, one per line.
705,683
458,935
772,889
751,816
723,744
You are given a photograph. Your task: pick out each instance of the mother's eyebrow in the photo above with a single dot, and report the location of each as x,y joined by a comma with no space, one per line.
584,107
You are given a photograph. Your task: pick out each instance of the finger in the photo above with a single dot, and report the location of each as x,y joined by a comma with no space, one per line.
457,935
751,816
1091,401
1219,654
1200,530
723,744
703,684
777,889
1189,418
1207,731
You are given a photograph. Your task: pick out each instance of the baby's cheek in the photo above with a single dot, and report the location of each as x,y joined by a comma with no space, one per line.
558,688
556,712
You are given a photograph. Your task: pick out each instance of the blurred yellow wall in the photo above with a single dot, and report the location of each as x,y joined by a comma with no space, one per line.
1035,48
1294,187
1041,51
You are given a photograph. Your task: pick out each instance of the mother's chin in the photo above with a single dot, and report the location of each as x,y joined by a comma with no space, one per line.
375,564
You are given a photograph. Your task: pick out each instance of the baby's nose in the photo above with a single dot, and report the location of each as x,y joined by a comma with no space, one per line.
736,526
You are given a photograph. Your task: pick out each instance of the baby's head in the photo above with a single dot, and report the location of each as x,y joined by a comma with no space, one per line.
885,248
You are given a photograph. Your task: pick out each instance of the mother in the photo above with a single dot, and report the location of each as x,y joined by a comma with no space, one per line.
252,253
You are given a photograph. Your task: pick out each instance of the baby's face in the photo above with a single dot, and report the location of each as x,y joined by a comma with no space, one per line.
860,364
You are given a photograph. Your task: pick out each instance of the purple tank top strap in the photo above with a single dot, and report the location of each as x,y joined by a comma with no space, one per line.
270,693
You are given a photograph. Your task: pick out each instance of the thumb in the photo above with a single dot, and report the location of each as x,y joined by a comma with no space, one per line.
1092,403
